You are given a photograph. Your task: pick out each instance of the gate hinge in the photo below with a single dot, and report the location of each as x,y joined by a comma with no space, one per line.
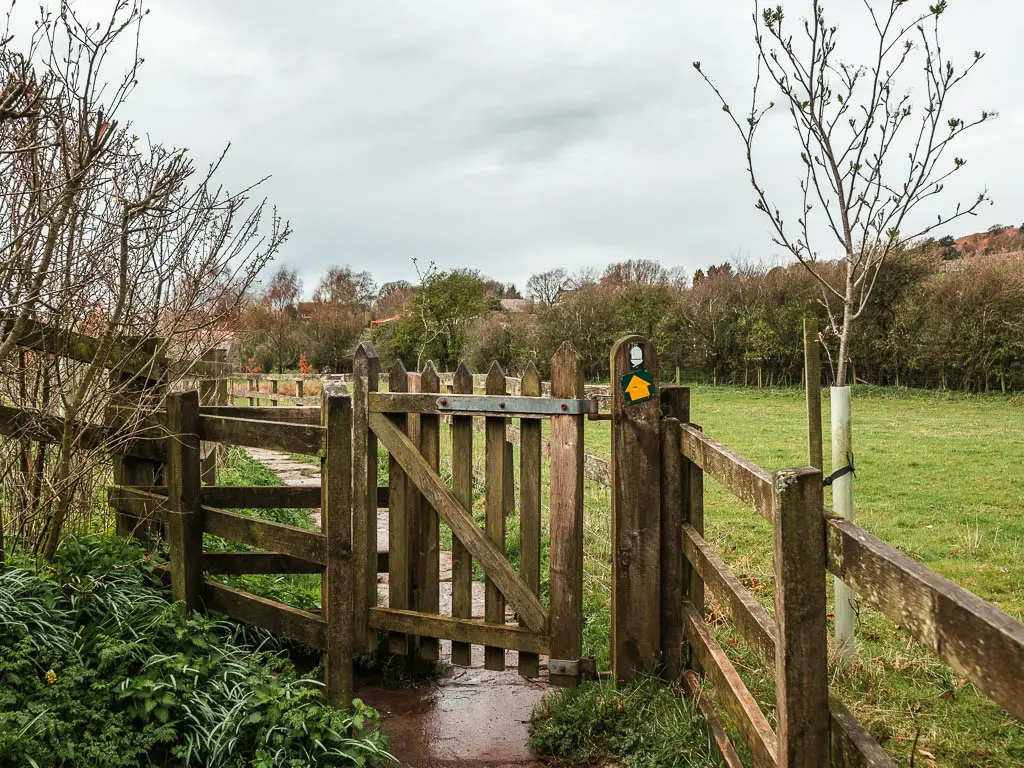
580,668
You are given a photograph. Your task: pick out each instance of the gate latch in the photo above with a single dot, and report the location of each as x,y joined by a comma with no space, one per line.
580,668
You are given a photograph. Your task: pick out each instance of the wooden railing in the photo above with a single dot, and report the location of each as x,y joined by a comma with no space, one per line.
984,645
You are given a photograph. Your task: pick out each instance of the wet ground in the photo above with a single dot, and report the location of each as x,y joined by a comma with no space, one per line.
469,717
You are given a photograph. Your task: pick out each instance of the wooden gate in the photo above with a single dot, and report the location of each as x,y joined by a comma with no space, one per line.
412,421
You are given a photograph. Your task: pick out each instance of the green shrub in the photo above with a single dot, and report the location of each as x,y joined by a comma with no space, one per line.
98,668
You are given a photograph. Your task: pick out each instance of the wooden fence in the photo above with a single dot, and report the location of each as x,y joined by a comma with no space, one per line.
984,645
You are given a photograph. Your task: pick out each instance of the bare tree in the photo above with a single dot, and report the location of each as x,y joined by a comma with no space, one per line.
117,255
281,299
546,287
343,285
871,155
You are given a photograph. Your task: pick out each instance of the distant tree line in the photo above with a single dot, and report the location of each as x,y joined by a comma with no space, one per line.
934,322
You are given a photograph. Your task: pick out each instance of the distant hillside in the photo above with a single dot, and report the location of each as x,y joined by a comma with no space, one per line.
996,240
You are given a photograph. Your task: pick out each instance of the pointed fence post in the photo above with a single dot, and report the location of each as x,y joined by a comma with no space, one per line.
399,559
365,369
462,487
801,656
184,486
336,509
428,544
566,553
636,508
529,505
494,600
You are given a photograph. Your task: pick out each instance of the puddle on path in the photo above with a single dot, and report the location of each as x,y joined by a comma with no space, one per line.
471,717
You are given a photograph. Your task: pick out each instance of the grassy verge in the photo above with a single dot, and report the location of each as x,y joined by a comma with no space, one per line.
641,725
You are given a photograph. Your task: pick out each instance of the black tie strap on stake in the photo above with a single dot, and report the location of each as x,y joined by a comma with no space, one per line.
849,469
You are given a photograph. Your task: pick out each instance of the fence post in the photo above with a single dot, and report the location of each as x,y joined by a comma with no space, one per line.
336,508
812,383
675,403
399,585
495,480
801,657
428,545
184,484
566,554
462,487
636,508
364,463
209,392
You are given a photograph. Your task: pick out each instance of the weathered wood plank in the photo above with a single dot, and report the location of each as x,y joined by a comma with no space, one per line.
752,620
636,513
280,414
273,435
801,657
746,715
747,481
852,745
399,518
529,506
462,489
428,561
365,370
139,503
261,496
672,513
978,640
693,514
566,551
423,403
237,563
495,480
338,587
463,631
460,520
301,626
129,470
276,537
26,424
184,482
694,689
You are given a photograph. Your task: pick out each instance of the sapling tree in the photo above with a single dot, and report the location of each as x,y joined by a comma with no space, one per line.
874,153
875,157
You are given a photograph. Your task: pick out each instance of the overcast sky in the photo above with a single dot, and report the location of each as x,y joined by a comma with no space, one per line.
514,136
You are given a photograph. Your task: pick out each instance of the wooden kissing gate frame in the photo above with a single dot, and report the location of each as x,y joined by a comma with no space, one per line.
406,422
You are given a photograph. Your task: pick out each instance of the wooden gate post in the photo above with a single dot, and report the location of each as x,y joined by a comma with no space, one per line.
675,404
184,486
495,479
636,508
801,656
365,371
428,545
338,588
462,487
529,505
399,582
566,554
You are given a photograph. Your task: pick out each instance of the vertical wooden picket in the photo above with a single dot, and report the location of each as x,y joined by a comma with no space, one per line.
398,520
636,508
529,505
801,655
462,487
336,509
675,401
692,477
184,485
566,553
365,371
428,542
494,601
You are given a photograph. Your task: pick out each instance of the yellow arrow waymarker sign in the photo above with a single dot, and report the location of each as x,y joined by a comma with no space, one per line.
637,386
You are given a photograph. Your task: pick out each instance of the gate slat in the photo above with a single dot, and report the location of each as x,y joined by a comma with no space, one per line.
494,601
462,486
529,506
398,518
428,563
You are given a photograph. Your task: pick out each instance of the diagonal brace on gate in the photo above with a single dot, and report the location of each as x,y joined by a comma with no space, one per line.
459,519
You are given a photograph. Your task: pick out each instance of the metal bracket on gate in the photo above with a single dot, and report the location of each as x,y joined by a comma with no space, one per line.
580,668
540,406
